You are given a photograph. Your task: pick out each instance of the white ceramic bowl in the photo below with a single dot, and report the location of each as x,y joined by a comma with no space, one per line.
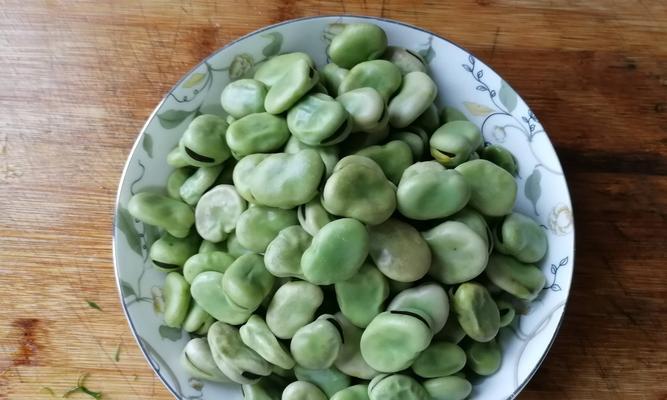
464,82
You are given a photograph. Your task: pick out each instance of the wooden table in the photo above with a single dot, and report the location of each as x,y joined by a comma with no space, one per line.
79,78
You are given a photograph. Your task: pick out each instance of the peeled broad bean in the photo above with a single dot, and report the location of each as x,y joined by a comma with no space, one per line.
454,142
197,319
329,380
521,237
396,387
271,71
405,59
359,189
155,209
493,190
194,187
247,282
207,291
394,339
429,299
328,154
312,216
218,211
415,96
176,293
257,335
439,359
258,226
360,298
476,222
356,43
293,306
242,97
501,157
336,253
483,358
332,75
203,143
283,254
366,108
448,388
459,254
257,133
198,362
399,251
476,311
287,180
350,361
428,191
380,75
243,172
356,392
393,157
176,180
296,82
318,120
177,159
236,360
524,281
170,253
316,345
300,390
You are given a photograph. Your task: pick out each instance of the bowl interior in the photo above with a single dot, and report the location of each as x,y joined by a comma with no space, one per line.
464,82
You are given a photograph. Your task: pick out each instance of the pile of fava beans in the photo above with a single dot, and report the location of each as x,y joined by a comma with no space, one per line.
336,236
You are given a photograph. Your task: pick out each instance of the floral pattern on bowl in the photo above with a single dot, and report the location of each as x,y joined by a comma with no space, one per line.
464,82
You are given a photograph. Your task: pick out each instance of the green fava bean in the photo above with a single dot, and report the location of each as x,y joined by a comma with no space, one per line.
439,359
170,253
176,180
328,154
366,108
360,298
194,187
247,282
258,226
270,72
257,335
356,392
198,362
429,299
396,387
177,158
350,361
359,189
413,140
380,75
449,114
393,157
312,216
476,311
197,319
329,380
448,388
236,360
428,191
243,171
429,120
176,293
501,157
316,345
285,180
452,331
454,142
394,339
417,93
524,281
356,43
212,261
484,358
218,212
332,75
406,60
234,248
459,254
242,97
293,306
521,237
507,312
493,190
283,255
257,133
300,390
297,81
336,253
318,120
476,222
155,209
207,291
203,143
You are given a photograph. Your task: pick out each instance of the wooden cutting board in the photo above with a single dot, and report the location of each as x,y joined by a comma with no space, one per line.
79,78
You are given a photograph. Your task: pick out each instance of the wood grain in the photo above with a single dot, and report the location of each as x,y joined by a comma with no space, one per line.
78,79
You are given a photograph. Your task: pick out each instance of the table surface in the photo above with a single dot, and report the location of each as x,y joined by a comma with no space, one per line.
79,78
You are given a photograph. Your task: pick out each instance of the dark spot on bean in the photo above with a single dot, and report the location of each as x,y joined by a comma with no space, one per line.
411,314
166,265
198,157
311,73
250,375
28,347
415,55
448,154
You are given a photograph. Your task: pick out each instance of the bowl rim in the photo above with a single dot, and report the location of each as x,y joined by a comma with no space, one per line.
153,114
